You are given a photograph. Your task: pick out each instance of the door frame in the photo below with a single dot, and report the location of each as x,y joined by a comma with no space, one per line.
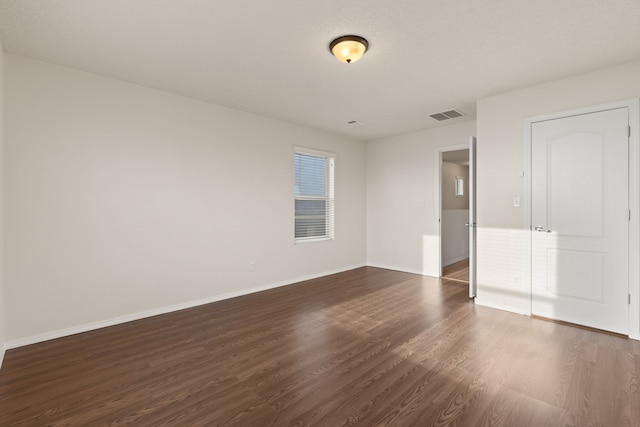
442,150
633,106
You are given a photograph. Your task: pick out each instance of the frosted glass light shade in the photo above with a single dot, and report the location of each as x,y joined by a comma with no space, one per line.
348,49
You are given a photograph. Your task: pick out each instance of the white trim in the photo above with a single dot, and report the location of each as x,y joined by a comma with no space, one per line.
164,310
526,211
439,184
448,263
305,240
472,255
400,269
313,152
634,197
634,224
504,307
473,217
585,110
453,148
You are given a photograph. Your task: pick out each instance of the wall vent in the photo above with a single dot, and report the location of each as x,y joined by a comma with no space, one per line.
446,115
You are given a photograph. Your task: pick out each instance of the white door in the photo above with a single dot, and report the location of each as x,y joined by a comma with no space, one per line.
580,219
472,217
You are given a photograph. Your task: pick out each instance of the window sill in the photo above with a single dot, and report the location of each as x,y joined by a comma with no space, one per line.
303,240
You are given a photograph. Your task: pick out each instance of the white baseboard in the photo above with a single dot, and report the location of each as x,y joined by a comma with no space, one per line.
163,310
396,268
453,261
503,307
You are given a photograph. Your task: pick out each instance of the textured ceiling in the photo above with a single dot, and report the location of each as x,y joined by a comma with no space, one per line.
271,57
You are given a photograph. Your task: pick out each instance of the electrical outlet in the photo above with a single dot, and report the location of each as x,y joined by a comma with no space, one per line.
516,202
252,266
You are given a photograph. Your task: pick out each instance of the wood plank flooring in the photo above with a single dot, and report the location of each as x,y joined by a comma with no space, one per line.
368,347
457,271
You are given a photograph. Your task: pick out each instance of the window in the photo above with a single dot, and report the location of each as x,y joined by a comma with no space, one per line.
313,195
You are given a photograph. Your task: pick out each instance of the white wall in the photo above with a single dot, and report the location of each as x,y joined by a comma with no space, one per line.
455,235
502,229
449,172
123,201
402,198
2,168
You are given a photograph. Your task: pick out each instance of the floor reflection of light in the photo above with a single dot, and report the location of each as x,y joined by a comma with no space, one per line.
310,328
431,255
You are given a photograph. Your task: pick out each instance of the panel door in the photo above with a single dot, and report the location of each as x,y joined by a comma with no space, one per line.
472,218
580,219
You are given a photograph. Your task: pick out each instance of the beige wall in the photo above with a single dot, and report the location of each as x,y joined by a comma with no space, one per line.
402,198
454,235
123,201
502,229
449,199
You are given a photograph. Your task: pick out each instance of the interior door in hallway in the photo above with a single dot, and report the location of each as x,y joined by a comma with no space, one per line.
580,219
473,287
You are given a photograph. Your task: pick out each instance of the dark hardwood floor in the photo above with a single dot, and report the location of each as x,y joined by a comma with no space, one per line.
367,347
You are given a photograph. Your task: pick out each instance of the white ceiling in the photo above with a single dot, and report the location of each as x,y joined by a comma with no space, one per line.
272,58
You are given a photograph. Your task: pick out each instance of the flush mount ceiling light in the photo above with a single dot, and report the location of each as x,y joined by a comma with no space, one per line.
348,49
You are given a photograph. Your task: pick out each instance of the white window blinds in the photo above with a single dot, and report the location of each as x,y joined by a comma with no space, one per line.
313,195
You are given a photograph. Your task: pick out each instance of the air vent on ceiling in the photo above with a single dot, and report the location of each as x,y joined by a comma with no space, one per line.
446,115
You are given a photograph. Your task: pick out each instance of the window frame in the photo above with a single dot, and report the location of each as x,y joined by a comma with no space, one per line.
330,159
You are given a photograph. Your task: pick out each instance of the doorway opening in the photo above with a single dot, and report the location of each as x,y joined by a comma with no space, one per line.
454,214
